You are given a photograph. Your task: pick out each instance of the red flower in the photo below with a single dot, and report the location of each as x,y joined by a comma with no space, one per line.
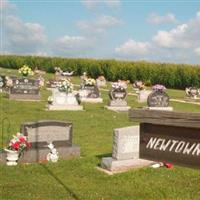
168,165
16,145
22,139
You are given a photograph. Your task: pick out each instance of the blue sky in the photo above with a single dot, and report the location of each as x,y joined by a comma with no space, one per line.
161,31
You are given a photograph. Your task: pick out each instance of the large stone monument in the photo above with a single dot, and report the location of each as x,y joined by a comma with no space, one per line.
118,96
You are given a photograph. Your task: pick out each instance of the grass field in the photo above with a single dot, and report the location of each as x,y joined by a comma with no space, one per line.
78,178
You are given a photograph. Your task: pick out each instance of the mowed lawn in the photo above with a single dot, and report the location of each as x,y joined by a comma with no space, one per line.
79,178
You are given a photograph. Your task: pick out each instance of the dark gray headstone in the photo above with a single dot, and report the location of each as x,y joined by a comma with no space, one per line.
158,99
2,82
24,89
41,133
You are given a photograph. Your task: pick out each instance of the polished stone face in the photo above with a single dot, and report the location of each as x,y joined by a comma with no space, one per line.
158,99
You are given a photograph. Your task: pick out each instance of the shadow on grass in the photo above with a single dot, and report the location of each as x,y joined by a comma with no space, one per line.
68,190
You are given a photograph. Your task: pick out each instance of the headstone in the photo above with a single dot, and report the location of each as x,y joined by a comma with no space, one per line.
63,101
125,151
42,133
2,83
101,81
192,93
158,100
172,137
90,94
118,99
24,89
143,96
51,84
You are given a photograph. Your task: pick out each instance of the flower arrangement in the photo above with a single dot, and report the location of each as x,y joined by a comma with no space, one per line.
65,86
89,82
25,70
118,86
19,143
139,85
158,87
9,81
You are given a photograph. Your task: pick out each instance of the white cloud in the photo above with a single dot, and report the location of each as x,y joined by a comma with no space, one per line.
132,48
157,19
183,36
99,25
21,37
73,45
90,4
6,5
197,51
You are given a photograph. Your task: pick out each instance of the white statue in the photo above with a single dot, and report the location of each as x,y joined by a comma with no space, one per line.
53,154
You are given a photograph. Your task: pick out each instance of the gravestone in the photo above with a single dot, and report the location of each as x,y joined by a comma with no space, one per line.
143,96
90,94
24,89
2,83
101,81
41,133
51,84
118,100
63,101
169,136
125,153
158,100
192,93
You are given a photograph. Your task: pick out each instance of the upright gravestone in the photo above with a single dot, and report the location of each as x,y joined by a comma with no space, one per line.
42,133
63,101
2,83
90,93
192,93
24,89
158,100
117,96
125,153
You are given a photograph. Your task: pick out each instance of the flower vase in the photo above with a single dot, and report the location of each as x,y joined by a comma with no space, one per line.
11,157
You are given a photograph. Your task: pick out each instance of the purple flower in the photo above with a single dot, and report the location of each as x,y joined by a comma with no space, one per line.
159,87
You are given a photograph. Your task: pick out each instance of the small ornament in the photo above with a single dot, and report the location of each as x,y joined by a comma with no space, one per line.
53,155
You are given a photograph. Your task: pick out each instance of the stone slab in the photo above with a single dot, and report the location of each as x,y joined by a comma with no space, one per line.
161,108
118,108
117,166
92,100
126,143
64,107
39,155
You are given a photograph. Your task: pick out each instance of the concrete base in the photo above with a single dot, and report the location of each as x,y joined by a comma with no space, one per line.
92,100
118,108
64,107
117,166
161,108
24,97
39,155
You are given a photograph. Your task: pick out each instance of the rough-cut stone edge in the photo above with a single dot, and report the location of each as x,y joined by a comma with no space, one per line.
110,171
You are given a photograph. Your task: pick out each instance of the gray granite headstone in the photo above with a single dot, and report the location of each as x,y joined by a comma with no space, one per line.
92,91
41,133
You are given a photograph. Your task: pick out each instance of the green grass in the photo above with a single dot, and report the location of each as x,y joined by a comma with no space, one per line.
78,178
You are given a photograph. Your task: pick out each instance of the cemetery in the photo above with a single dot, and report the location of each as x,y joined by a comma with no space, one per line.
91,141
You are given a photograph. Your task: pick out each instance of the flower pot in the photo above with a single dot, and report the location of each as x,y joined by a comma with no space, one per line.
12,157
